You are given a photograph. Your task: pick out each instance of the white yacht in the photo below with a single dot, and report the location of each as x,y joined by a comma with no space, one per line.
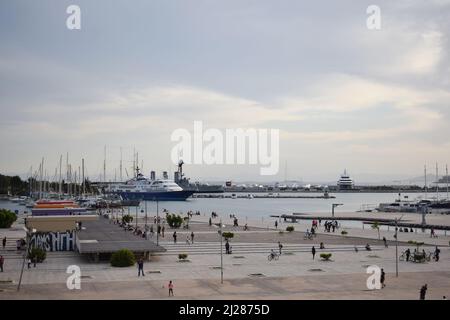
345,182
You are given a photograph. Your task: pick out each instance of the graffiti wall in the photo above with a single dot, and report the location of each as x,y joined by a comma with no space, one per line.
54,241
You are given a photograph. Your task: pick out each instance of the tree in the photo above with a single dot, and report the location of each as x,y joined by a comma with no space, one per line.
38,254
123,258
228,235
127,218
7,218
174,221
376,226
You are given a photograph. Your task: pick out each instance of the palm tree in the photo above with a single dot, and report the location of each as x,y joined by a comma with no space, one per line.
376,226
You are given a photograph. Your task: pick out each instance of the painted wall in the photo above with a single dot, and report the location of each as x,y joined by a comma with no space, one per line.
54,241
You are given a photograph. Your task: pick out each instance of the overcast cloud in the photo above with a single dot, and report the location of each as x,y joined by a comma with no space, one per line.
374,102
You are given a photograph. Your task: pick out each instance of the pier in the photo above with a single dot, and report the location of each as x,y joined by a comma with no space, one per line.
382,221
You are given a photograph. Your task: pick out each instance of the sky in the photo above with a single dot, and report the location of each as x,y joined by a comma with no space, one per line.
374,102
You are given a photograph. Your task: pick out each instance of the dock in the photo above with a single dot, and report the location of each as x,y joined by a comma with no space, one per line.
385,222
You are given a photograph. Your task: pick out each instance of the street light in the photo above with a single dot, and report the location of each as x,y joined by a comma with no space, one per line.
157,220
333,206
24,256
221,253
396,244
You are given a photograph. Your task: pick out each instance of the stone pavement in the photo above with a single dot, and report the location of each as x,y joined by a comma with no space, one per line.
325,287
248,273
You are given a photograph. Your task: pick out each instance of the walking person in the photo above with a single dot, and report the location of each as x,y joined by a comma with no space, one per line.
313,252
141,267
423,292
170,288
2,261
280,246
382,279
385,242
162,231
29,263
437,251
408,254
174,237
4,242
227,247
276,224
192,237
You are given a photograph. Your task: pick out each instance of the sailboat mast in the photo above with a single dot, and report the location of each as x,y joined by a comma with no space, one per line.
446,177
60,176
437,182
121,164
84,185
104,165
426,186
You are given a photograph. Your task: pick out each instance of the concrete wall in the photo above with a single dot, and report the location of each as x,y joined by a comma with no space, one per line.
56,223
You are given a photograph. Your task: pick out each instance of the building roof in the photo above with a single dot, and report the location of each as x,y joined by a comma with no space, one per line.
104,237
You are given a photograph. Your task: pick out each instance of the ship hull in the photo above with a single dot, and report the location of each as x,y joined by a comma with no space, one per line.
157,196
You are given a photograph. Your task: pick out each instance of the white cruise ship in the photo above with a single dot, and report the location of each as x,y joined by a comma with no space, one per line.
142,188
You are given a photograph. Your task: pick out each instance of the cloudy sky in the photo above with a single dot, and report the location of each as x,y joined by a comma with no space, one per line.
376,102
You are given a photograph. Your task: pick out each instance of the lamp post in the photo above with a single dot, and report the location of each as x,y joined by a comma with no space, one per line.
221,253
25,255
145,204
396,248
396,245
333,206
136,217
157,222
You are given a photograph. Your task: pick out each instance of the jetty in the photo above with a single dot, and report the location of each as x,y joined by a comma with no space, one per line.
365,220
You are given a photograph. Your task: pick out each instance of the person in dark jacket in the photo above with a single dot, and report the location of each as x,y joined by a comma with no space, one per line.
423,292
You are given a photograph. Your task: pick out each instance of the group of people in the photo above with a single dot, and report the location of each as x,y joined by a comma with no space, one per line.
331,226
436,254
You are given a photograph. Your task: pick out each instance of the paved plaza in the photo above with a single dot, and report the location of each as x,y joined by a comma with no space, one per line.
247,272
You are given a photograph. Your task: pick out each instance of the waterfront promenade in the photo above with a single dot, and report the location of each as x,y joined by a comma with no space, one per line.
247,272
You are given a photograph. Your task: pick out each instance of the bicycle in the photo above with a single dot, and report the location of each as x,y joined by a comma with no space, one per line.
273,256
308,237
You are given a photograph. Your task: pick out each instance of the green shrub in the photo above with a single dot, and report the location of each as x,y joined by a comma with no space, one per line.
7,218
123,258
344,232
228,235
37,253
127,219
182,256
174,221
290,229
326,256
